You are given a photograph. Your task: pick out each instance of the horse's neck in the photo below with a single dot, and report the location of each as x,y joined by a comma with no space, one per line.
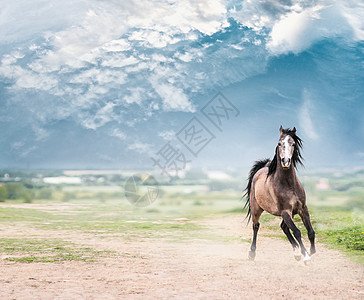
286,177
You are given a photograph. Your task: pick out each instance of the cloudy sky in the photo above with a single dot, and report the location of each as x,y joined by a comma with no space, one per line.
106,84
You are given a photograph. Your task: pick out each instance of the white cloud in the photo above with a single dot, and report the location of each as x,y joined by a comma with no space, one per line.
168,135
353,11
189,56
25,78
259,15
96,76
118,133
17,145
102,56
100,28
305,117
103,116
26,151
96,51
40,132
293,26
22,149
206,16
151,38
119,61
136,95
174,99
296,32
360,154
24,20
142,148
117,45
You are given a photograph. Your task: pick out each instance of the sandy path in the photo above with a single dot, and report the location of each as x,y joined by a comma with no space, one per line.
193,269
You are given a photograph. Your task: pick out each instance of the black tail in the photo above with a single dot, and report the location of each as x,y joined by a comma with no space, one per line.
256,167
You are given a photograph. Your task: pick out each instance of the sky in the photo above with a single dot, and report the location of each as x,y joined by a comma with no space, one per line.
112,84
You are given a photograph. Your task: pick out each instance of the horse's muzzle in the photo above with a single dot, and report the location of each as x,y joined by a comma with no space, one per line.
286,163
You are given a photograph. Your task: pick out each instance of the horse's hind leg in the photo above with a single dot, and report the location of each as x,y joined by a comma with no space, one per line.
253,246
291,239
287,218
256,212
305,216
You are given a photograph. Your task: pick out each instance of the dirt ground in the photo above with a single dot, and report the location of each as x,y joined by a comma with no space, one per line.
192,269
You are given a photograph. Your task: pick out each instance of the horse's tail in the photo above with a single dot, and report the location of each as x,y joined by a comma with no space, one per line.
256,167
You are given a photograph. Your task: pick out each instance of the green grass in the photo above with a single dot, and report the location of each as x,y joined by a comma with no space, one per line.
337,227
351,238
159,220
10,214
341,228
337,217
46,250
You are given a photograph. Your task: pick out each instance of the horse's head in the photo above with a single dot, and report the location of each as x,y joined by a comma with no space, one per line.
286,147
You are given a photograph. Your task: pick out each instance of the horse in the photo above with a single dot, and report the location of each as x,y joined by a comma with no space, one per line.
273,186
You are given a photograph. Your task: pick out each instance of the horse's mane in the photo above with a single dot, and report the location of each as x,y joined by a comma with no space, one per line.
296,157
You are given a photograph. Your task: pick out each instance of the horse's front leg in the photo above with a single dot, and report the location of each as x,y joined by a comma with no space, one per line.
296,247
305,216
287,218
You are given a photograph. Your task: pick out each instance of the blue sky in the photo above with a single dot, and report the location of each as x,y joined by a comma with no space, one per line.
105,84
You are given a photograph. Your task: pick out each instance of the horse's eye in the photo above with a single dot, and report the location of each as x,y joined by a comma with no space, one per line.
293,144
279,144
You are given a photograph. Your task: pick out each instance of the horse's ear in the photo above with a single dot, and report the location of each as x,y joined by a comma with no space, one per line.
294,130
281,130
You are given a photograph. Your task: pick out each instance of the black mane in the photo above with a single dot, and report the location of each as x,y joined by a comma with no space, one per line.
296,157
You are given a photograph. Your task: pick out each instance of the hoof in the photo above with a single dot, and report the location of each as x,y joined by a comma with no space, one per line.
307,259
297,254
312,251
307,262
251,255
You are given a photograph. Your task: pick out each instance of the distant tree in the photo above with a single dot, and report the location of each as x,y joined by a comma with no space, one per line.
28,185
67,196
196,175
15,190
28,196
3,193
116,178
221,185
45,194
101,197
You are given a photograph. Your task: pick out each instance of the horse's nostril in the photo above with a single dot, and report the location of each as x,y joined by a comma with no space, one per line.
286,161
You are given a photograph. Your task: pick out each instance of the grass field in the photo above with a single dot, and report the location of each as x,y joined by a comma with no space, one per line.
336,213
110,217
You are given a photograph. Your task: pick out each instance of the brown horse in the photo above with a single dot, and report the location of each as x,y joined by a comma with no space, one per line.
274,187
